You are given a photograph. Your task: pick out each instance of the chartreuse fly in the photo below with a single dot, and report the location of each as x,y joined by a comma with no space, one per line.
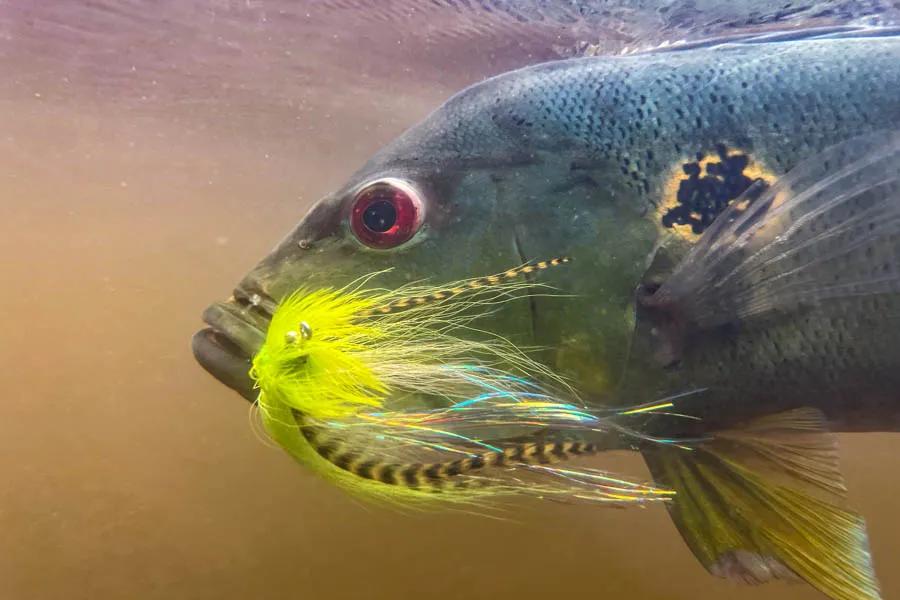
383,393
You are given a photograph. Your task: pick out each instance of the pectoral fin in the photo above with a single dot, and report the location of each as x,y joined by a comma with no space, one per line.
766,501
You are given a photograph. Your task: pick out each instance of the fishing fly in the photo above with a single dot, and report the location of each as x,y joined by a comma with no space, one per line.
398,395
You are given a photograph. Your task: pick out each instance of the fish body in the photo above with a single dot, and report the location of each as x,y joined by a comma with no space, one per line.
627,164
840,357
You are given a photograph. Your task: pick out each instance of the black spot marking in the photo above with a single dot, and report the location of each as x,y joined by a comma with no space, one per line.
703,196
327,450
388,474
345,460
455,468
433,472
411,474
365,469
519,454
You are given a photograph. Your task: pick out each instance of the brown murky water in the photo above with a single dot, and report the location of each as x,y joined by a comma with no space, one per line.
147,159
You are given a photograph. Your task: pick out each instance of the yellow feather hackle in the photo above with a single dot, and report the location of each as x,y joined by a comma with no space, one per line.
330,352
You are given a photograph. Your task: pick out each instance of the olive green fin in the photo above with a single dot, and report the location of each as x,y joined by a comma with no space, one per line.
766,501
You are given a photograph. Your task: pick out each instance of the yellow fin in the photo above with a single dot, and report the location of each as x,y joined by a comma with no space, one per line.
765,501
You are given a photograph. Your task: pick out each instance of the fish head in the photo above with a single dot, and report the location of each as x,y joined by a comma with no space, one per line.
460,195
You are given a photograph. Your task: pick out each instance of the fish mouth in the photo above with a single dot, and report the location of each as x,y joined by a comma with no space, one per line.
235,334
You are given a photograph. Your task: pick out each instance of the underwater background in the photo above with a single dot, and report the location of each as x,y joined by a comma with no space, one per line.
150,152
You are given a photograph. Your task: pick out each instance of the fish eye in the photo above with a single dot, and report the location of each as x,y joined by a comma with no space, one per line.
386,213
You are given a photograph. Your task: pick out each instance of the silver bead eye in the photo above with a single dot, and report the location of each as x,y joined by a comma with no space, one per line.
292,336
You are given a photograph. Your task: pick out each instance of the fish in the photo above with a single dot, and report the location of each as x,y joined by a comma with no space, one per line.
711,197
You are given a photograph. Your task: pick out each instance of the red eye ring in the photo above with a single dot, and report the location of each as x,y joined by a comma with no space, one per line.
386,213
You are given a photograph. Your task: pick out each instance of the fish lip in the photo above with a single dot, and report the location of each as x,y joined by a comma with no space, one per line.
235,334
241,324
224,361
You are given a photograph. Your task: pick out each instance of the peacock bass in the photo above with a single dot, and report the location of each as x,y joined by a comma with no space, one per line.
730,209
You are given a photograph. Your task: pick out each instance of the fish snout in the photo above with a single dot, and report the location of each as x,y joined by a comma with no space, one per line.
236,331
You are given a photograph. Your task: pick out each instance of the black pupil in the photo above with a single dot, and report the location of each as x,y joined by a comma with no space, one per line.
380,216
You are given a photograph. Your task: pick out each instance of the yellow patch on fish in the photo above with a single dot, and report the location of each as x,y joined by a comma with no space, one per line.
697,191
